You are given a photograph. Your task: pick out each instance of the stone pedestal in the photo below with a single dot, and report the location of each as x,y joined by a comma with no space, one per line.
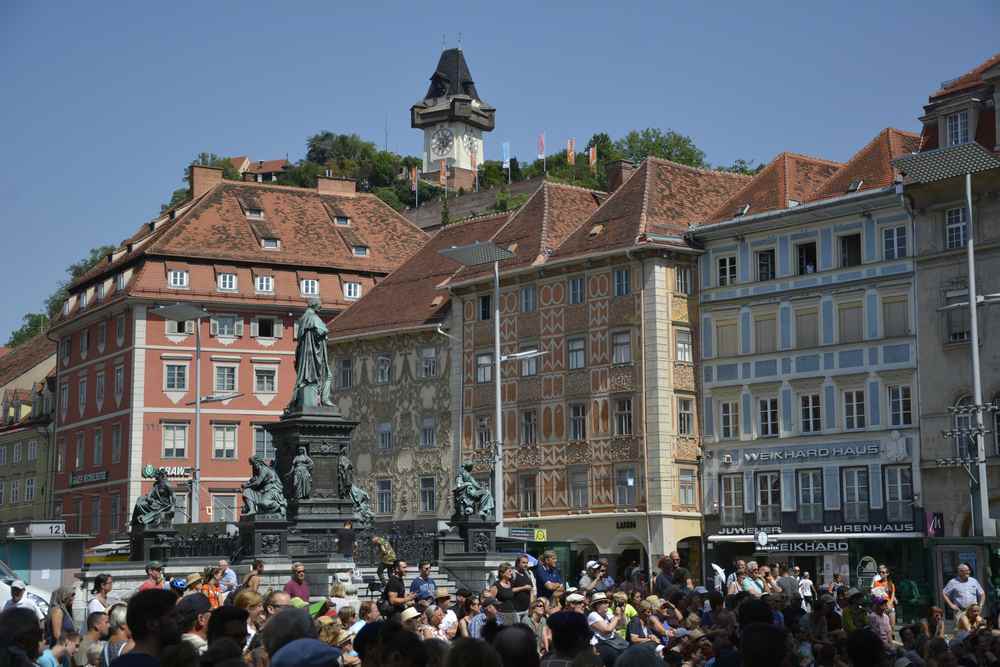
146,544
475,536
263,536
315,522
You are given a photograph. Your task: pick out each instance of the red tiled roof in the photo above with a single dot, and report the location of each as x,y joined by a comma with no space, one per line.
4,350
25,356
661,197
970,79
238,161
540,226
409,297
789,176
872,164
266,166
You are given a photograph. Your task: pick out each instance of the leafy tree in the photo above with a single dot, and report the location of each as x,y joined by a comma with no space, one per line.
491,175
329,147
637,145
445,214
389,196
53,304
741,166
205,160
33,324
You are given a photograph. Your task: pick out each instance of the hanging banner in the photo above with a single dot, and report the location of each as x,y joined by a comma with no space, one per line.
541,146
506,154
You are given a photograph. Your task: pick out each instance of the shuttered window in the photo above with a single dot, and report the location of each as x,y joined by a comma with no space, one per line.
725,335
850,323
766,334
895,318
806,328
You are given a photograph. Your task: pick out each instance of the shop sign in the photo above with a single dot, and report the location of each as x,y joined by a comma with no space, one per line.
773,455
47,529
743,530
806,547
625,525
867,569
899,527
934,522
528,534
149,471
87,477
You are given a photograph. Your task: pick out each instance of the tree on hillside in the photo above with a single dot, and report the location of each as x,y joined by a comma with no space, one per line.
54,303
329,147
637,145
32,325
741,166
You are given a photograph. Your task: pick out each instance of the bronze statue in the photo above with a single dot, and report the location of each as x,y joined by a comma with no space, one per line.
362,507
345,475
470,497
262,493
156,508
301,474
313,380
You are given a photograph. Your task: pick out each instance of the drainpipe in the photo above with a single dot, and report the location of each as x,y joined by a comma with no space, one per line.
916,455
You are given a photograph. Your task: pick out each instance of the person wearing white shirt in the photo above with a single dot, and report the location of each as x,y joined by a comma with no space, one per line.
20,599
228,582
102,588
449,624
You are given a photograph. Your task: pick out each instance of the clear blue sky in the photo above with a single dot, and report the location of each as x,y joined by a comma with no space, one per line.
104,103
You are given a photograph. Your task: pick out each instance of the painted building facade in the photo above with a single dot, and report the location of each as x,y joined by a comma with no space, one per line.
251,256
808,361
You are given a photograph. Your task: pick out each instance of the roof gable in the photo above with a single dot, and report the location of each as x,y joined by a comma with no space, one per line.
970,79
871,166
24,357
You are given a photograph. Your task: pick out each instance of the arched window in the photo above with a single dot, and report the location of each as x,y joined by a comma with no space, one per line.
965,444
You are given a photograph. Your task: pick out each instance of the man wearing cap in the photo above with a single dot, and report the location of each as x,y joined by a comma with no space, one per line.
193,612
489,611
449,624
20,600
154,578
576,602
547,576
410,619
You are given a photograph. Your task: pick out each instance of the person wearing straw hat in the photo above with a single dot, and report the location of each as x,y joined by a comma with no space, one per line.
605,625
449,625
410,619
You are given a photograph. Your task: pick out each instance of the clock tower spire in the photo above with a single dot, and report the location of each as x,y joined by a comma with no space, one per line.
453,118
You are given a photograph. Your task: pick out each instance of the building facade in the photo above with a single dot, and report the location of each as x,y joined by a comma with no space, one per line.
395,368
601,442
250,256
809,357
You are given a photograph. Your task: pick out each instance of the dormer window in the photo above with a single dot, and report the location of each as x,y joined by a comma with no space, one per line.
310,287
177,278
957,128
83,299
360,251
352,290
255,213
99,292
227,282
264,283
120,281
342,220
270,244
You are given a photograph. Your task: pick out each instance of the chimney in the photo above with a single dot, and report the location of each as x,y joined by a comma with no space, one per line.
203,179
336,185
618,171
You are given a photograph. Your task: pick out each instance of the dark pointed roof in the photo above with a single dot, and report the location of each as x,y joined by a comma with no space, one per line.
452,77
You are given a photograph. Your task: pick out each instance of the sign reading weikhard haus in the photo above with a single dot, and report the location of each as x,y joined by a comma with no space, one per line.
800,454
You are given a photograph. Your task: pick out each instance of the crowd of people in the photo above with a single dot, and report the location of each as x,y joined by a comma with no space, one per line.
530,615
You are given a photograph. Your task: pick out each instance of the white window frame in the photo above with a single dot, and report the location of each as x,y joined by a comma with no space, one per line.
725,270
731,500
622,281
772,270
527,492
263,443
957,127
621,347
767,417
624,413
255,328
484,431
81,396
894,242
230,435
855,418
579,493
685,416
383,369
99,389
577,290
810,413
352,290
269,243
767,485
687,487
119,380
898,493
174,429
529,299
484,367
529,365
167,384
224,388
428,363
17,454
360,250
224,513
577,422
32,451
309,286
684,346
729,420
900,404
626,494
842,256
857,497
529,427
810,495
342,220
576,353
263,284
428,495
217,328
345,373
98,448
29,489
84,343
226,282
383,496
428,432
119,281
956,228
682,277
116,443
262,369
384,432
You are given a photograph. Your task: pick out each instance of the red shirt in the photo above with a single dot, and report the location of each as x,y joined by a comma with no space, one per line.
297,590
149,584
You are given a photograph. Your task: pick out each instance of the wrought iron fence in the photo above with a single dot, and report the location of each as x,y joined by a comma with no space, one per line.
205,544
411,543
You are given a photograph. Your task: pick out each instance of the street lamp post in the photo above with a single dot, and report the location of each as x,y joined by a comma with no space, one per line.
476,254
182,312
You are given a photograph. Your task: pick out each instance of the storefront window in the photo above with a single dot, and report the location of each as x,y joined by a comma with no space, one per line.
856,494
810,496
732,500
768,498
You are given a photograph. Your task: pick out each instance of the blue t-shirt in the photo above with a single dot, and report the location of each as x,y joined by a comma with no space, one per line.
544,575
423,588
46,659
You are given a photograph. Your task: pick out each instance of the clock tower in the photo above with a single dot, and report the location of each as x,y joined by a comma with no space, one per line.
453,119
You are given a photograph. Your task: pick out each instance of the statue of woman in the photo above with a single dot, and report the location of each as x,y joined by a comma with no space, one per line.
470,497
301,474
262,493
157,507
313,381
345,475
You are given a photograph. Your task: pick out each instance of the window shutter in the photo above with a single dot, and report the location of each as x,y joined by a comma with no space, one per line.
766,335
213,328
239,327
806,329
277,328
726,339
850,324
254,328
189,327
894,317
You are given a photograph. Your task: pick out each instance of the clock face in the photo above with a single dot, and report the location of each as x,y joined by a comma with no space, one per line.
442,140
470,143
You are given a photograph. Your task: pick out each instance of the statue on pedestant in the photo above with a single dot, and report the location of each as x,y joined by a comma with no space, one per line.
470,497
156,508
362,507
262,493
301,474
313,380
345,475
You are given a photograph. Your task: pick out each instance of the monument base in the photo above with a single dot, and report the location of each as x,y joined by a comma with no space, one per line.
476,536
146,544
263,536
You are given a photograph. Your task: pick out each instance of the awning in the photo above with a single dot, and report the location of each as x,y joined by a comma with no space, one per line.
824,537
942,163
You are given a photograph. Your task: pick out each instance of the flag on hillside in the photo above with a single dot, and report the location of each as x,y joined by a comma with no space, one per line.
541,146
413,178
571,151
443,173
593,158
506,154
